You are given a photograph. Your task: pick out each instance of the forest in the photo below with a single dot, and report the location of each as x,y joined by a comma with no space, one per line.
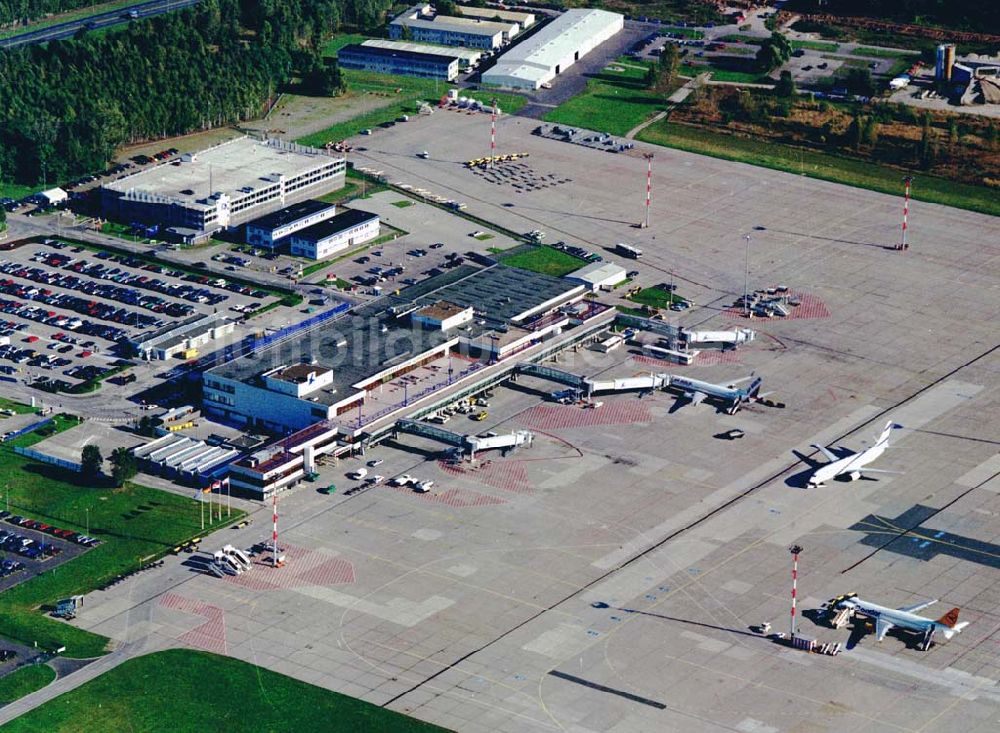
69,104
971,15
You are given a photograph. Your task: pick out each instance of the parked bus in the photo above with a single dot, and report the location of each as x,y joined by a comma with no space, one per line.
627,250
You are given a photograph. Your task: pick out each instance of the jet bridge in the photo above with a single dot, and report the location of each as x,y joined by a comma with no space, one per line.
650,381
552,374
431,431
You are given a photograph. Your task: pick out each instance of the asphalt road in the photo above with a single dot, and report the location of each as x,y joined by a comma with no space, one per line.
94,22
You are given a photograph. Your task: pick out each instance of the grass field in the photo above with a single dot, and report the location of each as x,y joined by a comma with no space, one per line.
613,102
19,408
186,691
820,165
403,204
16,190
655,298
888,53
743,38
826,46
136,523
683,32
24,681
345,39
349,191
546,260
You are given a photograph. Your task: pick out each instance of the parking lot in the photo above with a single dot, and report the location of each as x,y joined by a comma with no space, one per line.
67,308
29,547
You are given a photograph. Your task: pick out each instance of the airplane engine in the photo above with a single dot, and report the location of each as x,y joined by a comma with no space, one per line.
854,475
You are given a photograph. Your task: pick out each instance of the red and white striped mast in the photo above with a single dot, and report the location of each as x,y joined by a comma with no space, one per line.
274,531
493,133
649,186
904,245
795,550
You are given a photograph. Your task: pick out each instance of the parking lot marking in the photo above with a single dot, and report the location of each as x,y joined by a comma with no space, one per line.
211,635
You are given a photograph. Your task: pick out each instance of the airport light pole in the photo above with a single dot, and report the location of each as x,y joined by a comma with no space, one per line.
795,550
746,279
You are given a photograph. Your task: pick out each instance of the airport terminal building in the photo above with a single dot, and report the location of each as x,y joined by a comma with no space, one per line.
336,372
223,186
554,49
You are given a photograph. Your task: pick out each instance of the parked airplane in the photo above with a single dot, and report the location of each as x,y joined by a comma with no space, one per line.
905,618
852,465
696,391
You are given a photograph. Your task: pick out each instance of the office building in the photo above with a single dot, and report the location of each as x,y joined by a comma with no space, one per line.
268,231
395,61
345,230
223,187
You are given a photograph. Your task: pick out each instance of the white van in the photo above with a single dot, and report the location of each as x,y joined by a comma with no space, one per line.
422,487
359,474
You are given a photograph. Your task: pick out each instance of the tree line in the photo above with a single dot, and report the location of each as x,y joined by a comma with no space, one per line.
972,15
69,104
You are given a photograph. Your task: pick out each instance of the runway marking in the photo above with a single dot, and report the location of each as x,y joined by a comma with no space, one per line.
552,417
955,681
211,635
810,307
504,475
457,498
303,567
609,690
705,358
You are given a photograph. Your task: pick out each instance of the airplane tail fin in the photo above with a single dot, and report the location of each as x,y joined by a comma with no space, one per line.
754,389
883,438
950,618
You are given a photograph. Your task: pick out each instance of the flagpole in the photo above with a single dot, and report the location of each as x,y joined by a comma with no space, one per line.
229,499
201,508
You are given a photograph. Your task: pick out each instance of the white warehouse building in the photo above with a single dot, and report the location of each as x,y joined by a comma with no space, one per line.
554,49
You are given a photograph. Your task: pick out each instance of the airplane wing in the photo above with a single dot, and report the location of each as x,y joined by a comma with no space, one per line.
696,397
881,629
826,452
864,469
916,607
740,381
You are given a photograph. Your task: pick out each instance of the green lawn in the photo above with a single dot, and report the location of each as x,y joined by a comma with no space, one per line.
827,46
546,260
136,524
655,298
349,191
613,102
16,190
182,691
403,204
18,407
24,681
345,39
820,165
875,52
683,32
507,102
743,38
740,77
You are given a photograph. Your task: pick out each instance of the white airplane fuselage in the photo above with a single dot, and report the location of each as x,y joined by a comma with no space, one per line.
901,619
733,396
849,465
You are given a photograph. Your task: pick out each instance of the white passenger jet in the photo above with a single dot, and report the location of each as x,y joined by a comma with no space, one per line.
904,618
853,464
696,391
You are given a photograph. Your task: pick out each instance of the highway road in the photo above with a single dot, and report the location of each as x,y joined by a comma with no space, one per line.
93,22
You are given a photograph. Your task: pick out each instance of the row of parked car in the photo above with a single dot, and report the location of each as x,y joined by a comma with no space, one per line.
32,358
25,546
579,252
185,292
76,303
118,293
57,320
66,534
